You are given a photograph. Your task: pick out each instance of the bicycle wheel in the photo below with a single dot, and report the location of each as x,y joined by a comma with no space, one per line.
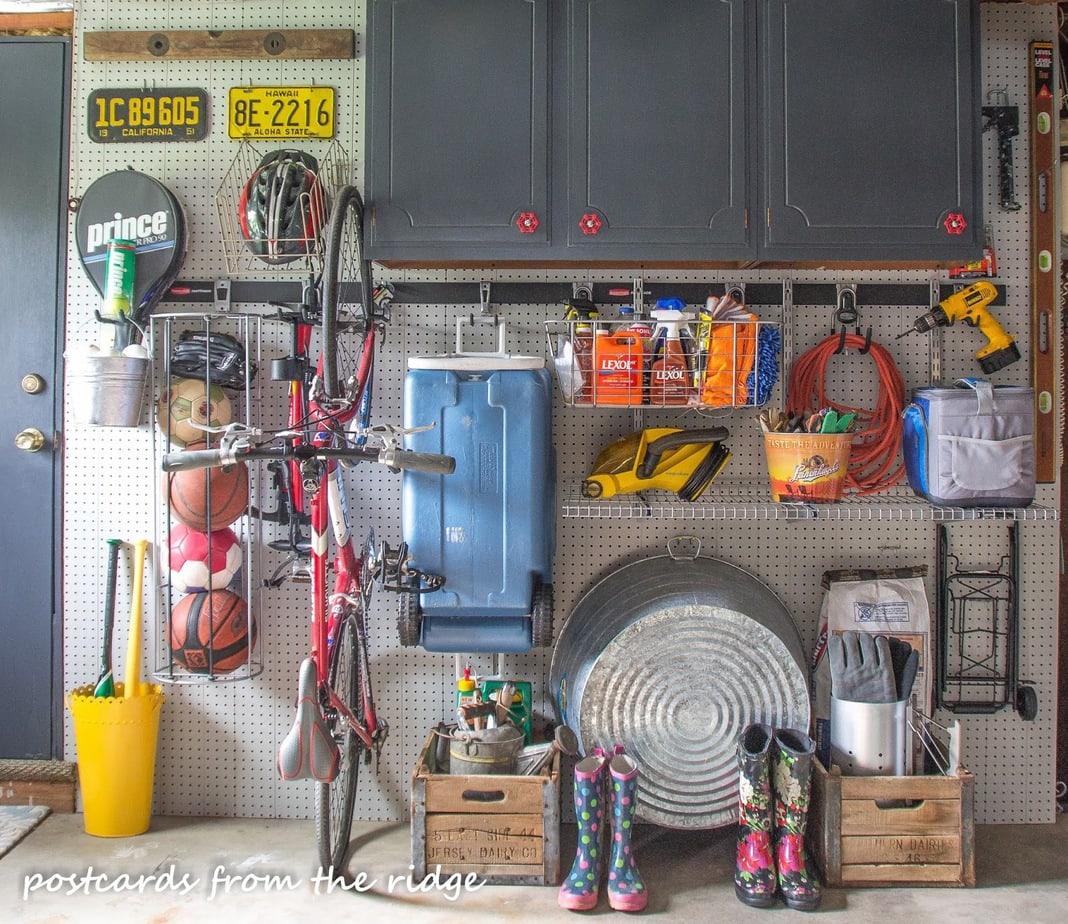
333,810
347,314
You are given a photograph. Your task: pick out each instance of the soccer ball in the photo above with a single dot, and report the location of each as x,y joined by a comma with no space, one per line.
190,401
202,561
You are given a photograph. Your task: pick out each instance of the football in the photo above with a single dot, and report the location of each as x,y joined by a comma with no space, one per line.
186,403
202,561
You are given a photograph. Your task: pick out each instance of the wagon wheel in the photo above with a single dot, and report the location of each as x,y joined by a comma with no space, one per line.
409,619
1026,703
541,616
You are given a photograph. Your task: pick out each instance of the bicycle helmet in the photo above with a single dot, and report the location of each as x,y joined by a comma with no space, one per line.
282,208
217,357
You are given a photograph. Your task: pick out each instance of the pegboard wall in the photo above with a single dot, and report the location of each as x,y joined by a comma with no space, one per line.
218,741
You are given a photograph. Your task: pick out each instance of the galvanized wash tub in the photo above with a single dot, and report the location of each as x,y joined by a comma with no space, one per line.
672,657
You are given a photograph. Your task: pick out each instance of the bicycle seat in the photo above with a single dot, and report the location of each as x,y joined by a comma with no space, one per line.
308,752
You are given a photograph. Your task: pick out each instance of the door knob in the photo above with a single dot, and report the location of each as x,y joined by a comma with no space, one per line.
33,384
30,440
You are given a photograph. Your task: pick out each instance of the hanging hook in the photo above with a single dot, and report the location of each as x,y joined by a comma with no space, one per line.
847,313
484,298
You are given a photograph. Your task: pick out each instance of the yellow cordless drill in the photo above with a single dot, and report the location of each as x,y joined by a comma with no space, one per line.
969,305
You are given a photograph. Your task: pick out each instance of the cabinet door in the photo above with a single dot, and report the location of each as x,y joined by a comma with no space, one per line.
457,127
873,136
657,146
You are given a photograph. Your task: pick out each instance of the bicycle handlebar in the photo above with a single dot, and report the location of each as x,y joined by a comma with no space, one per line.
393,458
418,461
195,458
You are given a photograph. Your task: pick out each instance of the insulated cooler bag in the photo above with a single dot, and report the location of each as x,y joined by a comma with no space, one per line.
488,526
972,445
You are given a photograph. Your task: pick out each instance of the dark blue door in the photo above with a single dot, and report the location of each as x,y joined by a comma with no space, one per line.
34,76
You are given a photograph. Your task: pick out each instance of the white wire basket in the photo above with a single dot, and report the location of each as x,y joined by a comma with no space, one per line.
606,364
287,255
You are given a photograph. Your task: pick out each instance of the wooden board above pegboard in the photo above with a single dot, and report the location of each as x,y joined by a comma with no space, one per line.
61,23
168,44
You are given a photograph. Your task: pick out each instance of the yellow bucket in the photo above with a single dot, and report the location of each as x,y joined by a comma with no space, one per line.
809,467
116,741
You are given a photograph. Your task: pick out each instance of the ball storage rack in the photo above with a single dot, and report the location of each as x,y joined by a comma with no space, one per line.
165,331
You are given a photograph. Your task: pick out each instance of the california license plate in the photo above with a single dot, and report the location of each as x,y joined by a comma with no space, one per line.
148,115
281,112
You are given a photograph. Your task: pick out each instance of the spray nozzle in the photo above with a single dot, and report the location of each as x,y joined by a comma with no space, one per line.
467,682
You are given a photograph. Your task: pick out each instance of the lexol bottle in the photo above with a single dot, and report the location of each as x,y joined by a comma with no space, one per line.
670,374
617,367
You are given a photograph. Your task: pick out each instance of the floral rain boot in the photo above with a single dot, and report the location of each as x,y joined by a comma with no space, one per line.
579,890
754,872
792,779
626,891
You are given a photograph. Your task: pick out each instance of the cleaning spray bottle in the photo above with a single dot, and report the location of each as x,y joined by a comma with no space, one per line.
670,371
580,313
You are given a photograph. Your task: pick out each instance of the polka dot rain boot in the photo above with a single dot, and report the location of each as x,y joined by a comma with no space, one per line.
626,891
579,891
754,870
792,756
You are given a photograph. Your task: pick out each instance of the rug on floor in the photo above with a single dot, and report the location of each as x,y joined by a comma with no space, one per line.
16,821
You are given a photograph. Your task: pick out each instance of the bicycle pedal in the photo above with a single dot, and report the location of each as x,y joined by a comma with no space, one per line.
300,574
297,570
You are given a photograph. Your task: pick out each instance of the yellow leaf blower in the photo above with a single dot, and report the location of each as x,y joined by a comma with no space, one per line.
664,458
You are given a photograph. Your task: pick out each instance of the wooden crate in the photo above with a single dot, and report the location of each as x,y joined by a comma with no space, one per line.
506,829
39,782
892,830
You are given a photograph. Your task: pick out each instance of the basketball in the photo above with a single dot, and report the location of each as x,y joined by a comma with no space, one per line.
209,632
187,402
208,499
202,561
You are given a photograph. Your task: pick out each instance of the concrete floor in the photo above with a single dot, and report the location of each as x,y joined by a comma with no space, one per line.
242,870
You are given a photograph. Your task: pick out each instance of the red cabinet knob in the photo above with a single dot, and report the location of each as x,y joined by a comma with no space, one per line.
527,222
590,223
955,223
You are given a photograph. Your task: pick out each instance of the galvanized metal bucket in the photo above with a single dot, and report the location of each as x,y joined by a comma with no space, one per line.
106,390
673,657
489,750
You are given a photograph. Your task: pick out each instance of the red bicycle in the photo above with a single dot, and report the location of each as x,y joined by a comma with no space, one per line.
336,724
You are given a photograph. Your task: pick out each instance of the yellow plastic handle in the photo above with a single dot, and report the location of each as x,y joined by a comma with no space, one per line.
133,644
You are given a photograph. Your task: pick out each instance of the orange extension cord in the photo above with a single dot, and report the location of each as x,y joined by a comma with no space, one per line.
875,462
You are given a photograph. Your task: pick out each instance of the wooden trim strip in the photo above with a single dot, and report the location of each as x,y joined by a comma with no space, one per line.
51,23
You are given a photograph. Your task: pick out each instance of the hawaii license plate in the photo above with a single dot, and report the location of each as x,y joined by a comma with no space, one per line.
281,112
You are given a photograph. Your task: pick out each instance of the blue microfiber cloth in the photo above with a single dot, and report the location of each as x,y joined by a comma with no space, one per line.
766,369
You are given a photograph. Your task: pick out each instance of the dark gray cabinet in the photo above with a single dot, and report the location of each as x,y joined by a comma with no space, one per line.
657,143
673,130
871,114
458,128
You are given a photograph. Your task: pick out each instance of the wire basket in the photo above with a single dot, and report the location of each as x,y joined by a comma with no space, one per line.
284,255
209,618
724,364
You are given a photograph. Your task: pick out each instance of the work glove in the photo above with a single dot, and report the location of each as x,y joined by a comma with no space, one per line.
862,668
906,660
